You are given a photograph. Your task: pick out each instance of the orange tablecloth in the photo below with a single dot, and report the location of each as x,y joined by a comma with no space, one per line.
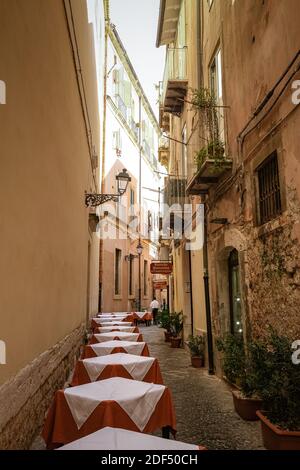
146,317
94,340
89,352
60,427
115,370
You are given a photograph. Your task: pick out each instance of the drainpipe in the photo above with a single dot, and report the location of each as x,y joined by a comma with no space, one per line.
207,298
191,292
101,250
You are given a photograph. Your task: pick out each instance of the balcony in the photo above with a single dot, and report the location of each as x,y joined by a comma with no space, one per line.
121,106
175,83
164,152
209,173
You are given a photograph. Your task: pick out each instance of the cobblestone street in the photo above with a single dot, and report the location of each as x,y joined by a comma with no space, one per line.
203,403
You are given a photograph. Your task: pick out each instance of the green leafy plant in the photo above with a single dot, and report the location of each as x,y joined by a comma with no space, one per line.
176,323
196,345
214,150
164,320
277,380
234,359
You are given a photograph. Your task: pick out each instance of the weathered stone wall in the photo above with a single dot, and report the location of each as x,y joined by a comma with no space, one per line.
274,274
25,398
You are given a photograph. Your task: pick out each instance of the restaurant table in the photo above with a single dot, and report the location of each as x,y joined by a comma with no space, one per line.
103,322
142,316
113,335
116,402
121,439
129,329
129,366
115,346
112,313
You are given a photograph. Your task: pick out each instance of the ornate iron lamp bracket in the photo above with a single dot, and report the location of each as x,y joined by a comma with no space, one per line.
94,200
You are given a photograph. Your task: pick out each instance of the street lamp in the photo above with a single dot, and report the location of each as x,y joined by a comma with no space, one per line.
139,248
94,199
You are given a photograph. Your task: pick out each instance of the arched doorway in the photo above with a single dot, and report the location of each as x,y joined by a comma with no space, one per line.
235,301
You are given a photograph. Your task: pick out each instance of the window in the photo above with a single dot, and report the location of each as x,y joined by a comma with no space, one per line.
216,76
145,277
118,254
269,189
216,88
130,276
236,326
117,142
132,197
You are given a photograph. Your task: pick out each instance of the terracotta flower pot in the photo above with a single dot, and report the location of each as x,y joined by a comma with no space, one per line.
197,361
167,336
275,438
246,407
175,342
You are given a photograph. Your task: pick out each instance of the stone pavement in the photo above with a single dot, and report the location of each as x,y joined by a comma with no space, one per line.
203,403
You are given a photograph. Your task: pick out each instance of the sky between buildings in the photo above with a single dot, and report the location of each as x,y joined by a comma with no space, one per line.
136,22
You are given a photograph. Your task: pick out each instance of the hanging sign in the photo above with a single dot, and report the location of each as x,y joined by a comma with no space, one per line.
157,267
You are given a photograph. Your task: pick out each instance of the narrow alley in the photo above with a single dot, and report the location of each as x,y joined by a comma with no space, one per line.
150,226
203,403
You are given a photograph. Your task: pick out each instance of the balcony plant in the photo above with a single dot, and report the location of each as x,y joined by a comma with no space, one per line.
205,102
196,346
176,327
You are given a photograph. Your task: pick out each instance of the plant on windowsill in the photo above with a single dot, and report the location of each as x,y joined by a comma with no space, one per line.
196,346
176,326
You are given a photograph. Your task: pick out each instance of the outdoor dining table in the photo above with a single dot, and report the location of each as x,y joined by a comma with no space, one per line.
142,316
116,402
129,366
112,335
139,348
109,322
121,439
129,329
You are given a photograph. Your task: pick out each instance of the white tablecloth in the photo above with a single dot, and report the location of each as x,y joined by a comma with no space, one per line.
121,439
123,335
131,347
138,399
107,322
136,366
140,314
105,329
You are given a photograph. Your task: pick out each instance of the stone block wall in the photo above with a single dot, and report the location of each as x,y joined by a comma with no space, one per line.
25,399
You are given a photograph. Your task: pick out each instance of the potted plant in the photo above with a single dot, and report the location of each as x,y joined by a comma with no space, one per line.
165,323
196,346
280,417
176,327
239,369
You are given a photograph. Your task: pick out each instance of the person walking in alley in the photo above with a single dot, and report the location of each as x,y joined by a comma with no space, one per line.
154,308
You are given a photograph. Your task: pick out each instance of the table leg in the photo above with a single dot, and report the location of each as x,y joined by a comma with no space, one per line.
166,432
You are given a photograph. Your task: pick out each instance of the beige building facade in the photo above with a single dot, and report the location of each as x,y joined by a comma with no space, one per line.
50,139
179,32
245,165
131,136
